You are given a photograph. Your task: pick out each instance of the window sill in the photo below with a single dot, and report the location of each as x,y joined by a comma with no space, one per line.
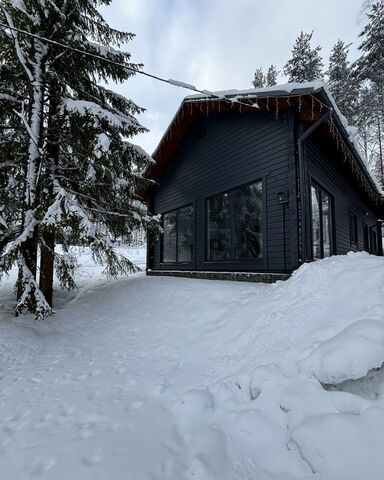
239,261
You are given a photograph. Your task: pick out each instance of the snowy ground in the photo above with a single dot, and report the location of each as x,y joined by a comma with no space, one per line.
169,378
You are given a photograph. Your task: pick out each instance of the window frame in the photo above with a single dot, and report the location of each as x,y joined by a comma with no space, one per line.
176,210
353,230
373,240
232,258
366,237
322,191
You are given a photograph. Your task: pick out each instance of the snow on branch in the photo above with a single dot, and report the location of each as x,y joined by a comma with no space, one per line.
84,108
9,98
31,290
28,230
103,50
19,50
19,5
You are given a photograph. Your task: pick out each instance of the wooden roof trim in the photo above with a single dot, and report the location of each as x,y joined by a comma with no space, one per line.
309,108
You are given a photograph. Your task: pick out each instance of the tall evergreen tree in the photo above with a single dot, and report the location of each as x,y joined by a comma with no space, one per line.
78,174
372,61
341,81
271,76
369,69
305,64
259,80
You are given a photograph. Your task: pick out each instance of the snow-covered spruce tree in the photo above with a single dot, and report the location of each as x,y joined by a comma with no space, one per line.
14,140
78,174
271,76
369,69
259,80
342,82
305,64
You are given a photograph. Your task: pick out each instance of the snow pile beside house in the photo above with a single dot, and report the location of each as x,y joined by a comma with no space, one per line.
171,378
349,355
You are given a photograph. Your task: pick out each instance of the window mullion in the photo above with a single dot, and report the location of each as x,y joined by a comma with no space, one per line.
321,223
177,236
232,210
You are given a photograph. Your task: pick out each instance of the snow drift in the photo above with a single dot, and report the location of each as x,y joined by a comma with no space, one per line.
171,378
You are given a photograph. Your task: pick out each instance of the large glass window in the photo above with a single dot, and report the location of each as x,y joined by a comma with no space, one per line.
185,234
353,229
366,237
247,206
321,209
219,227
373,235
178,235
169,237
234,227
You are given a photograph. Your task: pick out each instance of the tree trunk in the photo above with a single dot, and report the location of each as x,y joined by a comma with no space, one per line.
47,250
29,252
381,159
47,258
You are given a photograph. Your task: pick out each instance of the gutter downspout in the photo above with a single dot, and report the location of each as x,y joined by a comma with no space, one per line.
302,197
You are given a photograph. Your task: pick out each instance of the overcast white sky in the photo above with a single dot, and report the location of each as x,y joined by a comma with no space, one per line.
218,44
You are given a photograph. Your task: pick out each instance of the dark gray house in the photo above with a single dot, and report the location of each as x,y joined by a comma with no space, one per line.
260,181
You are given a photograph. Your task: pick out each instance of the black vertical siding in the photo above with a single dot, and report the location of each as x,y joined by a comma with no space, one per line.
237,148
345,200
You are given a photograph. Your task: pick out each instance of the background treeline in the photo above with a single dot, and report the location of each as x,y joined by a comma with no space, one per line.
357,87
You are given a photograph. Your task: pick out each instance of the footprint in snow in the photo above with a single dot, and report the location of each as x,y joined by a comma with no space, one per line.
244,301
40,466
35,380
136,404
92,459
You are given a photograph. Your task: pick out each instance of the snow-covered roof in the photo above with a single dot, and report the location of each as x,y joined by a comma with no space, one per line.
296,88
293,89
283,89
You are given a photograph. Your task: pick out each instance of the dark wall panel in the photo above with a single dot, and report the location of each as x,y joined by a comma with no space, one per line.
345,199
237,148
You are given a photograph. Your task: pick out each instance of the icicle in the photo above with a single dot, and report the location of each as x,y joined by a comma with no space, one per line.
288,101
201,107
277,108
240,105
219,106
268,104
313,107
300,103
207,110
190,108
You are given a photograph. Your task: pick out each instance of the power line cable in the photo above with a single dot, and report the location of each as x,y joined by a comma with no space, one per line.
174,83
99,57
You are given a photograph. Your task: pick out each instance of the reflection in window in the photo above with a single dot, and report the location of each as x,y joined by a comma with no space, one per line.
321,210
185,234
169,237
178,235
353,228
316,238
235,224
366,237
219,227
373,236
247,202
326,224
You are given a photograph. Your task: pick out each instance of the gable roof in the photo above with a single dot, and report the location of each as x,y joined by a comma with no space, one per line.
310,101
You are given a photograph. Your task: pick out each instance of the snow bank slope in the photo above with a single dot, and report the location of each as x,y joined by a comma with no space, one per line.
171,378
